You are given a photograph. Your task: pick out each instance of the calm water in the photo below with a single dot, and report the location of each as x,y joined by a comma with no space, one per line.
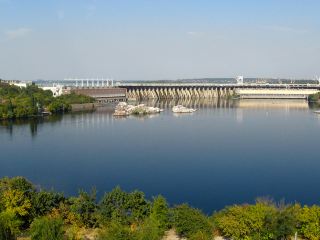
225,153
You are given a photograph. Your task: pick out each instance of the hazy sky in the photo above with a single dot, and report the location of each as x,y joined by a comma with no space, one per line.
159,39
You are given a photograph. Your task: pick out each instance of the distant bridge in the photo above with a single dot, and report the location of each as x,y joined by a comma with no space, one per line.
213,90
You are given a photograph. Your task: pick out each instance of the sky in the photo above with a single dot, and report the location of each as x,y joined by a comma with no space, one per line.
159,39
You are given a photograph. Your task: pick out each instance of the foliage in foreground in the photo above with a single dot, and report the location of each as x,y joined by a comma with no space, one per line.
129,215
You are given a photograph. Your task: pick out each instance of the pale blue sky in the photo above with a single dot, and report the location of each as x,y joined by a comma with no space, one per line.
159,39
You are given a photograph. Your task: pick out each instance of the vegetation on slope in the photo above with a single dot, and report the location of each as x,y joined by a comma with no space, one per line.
39,214
16,102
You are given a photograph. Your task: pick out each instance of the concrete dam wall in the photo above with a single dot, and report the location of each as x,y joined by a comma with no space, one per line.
144,93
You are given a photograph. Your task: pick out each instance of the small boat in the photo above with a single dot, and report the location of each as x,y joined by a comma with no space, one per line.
317,112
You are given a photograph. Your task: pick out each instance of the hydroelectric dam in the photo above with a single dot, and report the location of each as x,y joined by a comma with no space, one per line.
105,90
145,91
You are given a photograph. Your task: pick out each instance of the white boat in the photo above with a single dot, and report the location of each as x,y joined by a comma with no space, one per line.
318,111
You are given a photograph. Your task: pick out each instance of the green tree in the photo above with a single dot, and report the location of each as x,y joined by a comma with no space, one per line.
9,225
124,207
244,221
84,207
309,222
160,212
43,202
189,221
116,231
149,230
16,195
46,228
283,224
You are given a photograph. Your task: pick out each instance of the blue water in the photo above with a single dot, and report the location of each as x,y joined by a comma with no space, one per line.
224,153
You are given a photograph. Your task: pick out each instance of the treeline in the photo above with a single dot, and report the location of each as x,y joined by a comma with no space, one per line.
16,102
119,215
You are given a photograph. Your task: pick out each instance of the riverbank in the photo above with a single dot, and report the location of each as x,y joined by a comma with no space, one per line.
33,102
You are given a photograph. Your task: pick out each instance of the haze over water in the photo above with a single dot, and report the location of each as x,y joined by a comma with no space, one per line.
225,153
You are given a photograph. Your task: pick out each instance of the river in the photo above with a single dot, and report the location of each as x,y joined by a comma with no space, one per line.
224,153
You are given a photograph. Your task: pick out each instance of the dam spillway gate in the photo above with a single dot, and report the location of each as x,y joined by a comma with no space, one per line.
178,92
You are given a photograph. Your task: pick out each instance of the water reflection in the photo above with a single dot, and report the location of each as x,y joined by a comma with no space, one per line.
10,125
103,114
225,103
191,103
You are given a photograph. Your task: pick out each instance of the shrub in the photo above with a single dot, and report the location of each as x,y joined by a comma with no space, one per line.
43,202
84,207
310,222
160,212
284,223
189,221
243,221
45,228
116,231
124,207
149,230
9,225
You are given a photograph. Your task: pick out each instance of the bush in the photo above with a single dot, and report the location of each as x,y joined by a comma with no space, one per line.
243,221
43,202
310,222
9,225
84,207
116,231
16,195
160,212
46,228
149,230
284,223
124,207
189,221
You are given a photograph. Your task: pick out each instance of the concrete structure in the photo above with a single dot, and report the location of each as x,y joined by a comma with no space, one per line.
91,82
106,94
209,90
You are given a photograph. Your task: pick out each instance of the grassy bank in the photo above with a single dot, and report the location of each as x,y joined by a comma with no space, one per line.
39,214
16,102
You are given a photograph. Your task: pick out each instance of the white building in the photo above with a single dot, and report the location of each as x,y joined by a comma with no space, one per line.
56,90
239,80
17,83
